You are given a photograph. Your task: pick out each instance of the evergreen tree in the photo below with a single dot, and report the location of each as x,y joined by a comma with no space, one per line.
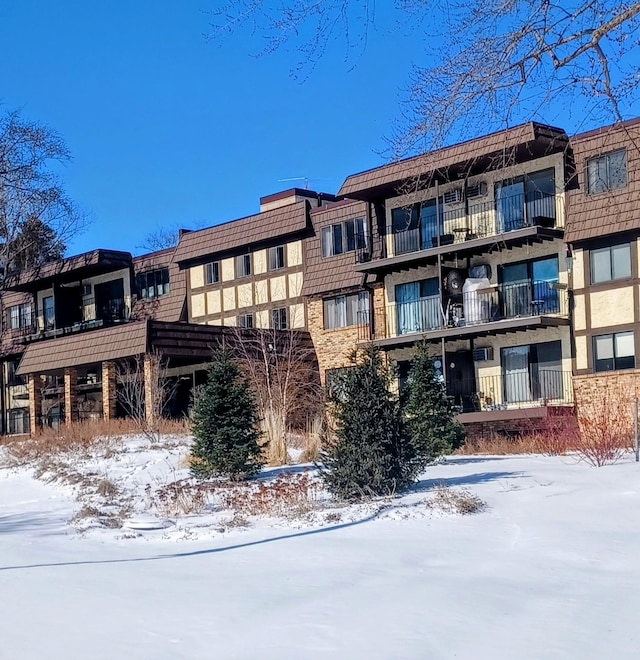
225,423
429,415
369,453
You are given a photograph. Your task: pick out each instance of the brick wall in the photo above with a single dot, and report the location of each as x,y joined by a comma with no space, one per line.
333,347
595,389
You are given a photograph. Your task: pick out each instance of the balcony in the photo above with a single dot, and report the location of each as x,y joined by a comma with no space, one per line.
536,386
469,227
85,315
490,310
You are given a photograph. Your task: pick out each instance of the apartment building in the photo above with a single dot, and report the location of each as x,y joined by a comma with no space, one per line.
68,324
466,252
250,272
464,248
603,232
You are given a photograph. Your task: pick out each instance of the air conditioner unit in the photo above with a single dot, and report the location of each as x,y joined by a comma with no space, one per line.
452,196
483,354
477,190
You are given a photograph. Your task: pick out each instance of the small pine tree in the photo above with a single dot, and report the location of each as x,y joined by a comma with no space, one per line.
368,455
225,423
429,415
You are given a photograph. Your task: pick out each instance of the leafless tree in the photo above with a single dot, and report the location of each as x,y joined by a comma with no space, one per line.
281,367
36,216
144,392
493,62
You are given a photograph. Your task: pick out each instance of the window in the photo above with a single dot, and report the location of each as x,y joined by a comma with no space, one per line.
245,320
530,287
212,272
279,318
611,263
532,372
48,313
153,284
418,306
335,380
607,172
18,316
243,265
276,257
614,351
343,311
343,237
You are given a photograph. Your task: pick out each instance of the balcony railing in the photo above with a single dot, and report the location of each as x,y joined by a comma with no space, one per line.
536,386
497,302
477,219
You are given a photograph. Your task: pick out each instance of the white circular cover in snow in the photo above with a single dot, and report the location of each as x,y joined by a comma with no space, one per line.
145,522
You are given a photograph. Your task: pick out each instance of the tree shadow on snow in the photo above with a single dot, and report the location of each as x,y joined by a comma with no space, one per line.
196,553
465,480
22,522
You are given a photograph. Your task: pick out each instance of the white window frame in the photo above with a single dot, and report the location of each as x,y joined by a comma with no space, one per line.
212,272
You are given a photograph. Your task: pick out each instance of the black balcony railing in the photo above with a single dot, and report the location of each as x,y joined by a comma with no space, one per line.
475,306
476,219
537,385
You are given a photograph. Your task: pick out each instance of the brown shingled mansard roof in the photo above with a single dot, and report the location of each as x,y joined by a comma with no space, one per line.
591,216
529,140
278,222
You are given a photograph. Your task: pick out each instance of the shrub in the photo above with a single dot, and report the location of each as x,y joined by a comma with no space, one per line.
225,424
369,454
429,414
606,427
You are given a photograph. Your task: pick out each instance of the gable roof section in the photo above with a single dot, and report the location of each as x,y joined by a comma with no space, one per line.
463,152
102,345
261,227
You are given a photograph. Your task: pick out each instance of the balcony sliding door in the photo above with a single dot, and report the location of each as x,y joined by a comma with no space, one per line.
532,373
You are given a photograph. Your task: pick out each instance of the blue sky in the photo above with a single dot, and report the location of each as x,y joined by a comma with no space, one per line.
167,127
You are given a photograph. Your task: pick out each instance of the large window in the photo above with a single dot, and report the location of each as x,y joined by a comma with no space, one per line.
343,237
343,311
614,351
243,265
154,283
418,306
533,372
611,263
212,272
607,172
279,318
526,200
276,257
18,316
530,288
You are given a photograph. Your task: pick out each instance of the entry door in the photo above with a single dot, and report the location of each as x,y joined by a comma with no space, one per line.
461,381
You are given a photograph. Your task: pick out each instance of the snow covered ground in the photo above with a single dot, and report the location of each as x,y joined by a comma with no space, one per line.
549,569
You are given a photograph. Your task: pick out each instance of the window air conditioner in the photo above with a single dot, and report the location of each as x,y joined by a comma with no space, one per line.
483,354
453,196
477,190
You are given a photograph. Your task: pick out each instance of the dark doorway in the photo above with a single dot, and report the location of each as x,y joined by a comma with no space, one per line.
68,306
461,381
110,301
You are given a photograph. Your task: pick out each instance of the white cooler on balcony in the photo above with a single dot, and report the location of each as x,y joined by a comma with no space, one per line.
476,305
